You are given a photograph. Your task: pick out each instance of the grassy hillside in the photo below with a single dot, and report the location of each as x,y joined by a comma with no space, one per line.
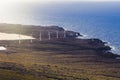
57,59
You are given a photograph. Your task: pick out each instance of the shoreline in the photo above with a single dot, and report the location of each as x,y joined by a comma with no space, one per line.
58,57
107,43
27,29
11,36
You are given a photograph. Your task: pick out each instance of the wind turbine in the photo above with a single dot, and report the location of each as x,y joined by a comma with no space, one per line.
19,38
40,36
64,34
49,35
57,34
31,36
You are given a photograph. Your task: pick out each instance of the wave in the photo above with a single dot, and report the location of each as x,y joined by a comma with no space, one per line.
114,49
84,36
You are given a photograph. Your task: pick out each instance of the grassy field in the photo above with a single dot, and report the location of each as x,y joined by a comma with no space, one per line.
55,60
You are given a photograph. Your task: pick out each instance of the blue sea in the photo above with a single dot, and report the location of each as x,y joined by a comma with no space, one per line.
92,19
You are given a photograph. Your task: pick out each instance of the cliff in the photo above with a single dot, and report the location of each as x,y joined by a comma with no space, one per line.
60,58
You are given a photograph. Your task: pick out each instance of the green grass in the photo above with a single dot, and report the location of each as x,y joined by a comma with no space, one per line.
7,74
55,60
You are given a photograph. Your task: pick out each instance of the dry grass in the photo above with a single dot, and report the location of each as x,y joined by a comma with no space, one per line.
62,59
58,65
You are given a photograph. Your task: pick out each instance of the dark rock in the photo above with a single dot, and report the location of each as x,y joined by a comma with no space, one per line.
56,28
72,34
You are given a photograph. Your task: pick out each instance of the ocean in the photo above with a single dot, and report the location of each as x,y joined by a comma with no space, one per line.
92,19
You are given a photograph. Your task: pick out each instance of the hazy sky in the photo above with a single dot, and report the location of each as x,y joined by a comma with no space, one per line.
5,1
20,10
2,2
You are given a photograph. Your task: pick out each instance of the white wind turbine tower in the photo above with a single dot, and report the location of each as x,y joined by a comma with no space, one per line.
40,36
64,34
31,36
19,38
57,34
49,35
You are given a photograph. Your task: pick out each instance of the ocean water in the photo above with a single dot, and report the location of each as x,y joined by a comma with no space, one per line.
93,19
102,27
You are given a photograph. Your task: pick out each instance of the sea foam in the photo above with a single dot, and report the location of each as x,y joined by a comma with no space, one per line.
113,48
84,36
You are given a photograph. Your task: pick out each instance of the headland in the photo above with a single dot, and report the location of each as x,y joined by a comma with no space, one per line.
55,54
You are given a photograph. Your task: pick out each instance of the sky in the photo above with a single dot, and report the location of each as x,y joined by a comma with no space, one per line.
40,1
14,10
3,2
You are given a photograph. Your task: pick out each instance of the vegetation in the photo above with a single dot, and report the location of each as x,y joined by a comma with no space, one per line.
56,59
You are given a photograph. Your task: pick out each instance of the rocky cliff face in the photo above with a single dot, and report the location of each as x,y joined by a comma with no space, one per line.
56,33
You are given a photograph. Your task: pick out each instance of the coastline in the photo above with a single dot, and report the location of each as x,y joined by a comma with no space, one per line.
105,47
110,51
51,57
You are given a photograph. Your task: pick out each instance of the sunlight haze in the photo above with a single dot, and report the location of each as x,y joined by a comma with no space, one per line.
42,1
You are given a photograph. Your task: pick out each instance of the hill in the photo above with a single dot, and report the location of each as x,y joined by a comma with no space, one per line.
62,58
